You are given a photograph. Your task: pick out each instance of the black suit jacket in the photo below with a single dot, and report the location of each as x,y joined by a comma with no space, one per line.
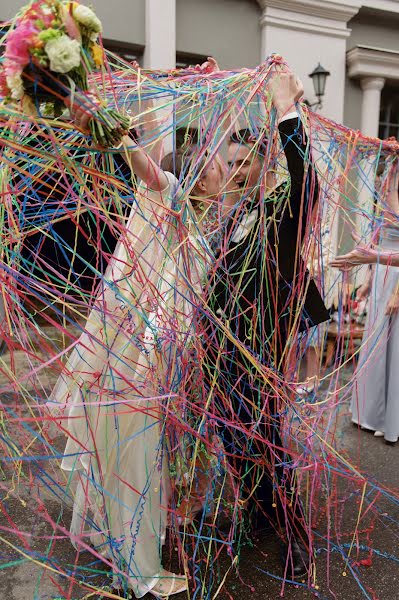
261,288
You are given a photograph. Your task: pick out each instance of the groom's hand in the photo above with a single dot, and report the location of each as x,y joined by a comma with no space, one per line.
209,66
286,90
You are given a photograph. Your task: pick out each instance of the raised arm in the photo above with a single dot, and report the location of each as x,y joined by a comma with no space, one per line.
286,91
150,126
141,164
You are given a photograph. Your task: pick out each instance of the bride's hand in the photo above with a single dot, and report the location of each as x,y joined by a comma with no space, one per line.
82,108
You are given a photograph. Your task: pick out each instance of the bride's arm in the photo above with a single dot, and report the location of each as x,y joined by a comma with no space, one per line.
141,164
148,121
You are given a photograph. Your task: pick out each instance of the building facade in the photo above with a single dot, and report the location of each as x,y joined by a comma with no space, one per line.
356,40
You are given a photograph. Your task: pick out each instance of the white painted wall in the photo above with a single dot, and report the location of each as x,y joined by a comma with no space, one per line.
353,102
8,8
123,20
304,51
229,30
306,34
381,32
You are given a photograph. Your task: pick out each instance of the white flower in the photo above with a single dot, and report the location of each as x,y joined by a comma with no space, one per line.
16,85
64,54
86,17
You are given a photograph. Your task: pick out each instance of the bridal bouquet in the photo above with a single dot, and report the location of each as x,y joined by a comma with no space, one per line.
50,52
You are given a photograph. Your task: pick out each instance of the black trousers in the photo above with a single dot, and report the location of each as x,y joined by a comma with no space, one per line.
248,411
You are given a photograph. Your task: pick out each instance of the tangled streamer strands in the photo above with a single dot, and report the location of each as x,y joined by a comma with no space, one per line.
121,423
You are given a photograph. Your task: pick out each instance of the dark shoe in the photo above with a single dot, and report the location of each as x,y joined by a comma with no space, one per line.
295,559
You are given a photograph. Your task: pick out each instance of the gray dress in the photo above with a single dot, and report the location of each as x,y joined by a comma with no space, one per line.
375,397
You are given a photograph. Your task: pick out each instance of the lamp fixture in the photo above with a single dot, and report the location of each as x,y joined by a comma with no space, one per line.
319,77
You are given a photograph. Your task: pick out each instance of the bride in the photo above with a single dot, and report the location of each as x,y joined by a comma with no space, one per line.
122,377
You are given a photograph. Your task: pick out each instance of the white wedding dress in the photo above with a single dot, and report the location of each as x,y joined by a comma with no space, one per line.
122,378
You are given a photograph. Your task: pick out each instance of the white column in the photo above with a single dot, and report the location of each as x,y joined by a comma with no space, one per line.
160,34
160,51
371,101
370,118
264,49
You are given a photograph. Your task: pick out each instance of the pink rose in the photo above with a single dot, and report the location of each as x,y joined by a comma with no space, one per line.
19,41
35,11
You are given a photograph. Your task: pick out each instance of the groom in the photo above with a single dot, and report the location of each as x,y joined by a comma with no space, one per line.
262,294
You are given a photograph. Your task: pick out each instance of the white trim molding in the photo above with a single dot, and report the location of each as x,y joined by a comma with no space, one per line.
374,84
371,100
384,5
293,24
367,61
310,16
337,10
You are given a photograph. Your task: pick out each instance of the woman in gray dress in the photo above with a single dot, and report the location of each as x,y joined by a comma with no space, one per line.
375,401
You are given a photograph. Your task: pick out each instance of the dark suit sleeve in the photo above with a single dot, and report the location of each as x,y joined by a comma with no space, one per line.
304,183
295,214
